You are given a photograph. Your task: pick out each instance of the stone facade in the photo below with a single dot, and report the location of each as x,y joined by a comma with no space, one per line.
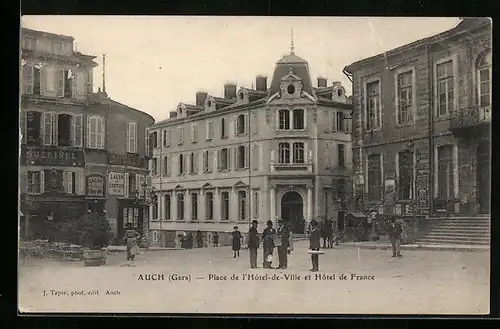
68,135
230,149
459,123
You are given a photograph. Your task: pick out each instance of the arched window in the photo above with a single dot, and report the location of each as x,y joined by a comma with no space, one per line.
241,157
298,152
241,124
284,152
484,79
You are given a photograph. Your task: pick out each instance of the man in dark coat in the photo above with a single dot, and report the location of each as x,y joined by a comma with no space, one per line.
268,243
253,243
395,231
314,244
199,239
283,243
236,241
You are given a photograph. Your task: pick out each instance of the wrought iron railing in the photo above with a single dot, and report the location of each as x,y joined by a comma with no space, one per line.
471,116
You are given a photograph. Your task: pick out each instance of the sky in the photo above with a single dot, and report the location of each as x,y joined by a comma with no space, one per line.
155,62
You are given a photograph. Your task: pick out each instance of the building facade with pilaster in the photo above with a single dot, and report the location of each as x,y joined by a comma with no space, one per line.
422,117
281,150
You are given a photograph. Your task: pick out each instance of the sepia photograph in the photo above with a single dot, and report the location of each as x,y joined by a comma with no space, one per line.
254,165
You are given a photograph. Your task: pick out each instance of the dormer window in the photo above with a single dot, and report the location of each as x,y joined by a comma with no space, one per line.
180,110
209,103
340,92
291,89
242,96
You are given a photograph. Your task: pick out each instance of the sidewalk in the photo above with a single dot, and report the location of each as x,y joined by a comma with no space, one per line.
438,247
124,248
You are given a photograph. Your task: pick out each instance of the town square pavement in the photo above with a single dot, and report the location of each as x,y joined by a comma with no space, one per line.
366,282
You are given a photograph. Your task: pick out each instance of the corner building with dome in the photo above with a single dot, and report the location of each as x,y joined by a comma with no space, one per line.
281,150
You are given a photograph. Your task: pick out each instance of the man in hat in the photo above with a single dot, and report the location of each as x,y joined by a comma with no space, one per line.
253,243
314,244
283,243
395,231
268,244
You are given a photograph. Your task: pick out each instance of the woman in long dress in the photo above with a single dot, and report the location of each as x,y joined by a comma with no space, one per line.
131,237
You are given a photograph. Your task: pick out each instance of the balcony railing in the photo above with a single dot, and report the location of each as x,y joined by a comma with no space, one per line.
471,116
283,167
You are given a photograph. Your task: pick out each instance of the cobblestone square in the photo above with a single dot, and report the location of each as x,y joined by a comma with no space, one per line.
422,282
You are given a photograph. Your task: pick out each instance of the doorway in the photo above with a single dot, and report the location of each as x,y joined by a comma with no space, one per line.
292,211
483,177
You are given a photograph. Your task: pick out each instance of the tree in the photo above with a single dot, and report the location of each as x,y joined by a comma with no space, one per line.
93,230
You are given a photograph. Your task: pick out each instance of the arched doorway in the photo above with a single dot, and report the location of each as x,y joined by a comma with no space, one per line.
292,211
483,177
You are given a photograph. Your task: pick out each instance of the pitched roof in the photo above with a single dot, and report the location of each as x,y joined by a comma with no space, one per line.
299,67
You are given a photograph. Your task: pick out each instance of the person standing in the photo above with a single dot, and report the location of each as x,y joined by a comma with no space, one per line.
253,243
199,239
314,244
131,237
268,244
190,240
395,231
236,241
215,238
283,243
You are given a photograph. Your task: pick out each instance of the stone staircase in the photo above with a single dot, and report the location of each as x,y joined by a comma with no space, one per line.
458,230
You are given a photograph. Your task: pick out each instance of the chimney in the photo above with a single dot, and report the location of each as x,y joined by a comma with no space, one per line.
200,98
230,91
322,82
261,83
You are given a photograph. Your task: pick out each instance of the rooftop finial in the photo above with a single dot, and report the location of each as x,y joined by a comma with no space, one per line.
292,47
104,72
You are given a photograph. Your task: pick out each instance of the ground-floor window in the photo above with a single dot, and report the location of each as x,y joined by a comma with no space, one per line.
130,215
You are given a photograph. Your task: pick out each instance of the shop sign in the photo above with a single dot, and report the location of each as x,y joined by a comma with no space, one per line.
132,160
35,156
116,183
95,185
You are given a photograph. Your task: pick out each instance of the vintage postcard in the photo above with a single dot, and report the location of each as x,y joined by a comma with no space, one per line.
334,165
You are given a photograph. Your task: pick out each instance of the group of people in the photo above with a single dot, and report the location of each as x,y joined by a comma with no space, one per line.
280,238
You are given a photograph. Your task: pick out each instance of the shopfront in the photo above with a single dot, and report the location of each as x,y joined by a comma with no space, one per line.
131,211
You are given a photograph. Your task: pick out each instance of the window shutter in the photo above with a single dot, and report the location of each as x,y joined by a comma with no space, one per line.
128,138
235,126
146,139
184,162
43,79
189,164
28,79
229,153
218,160
169,162
50,78
60,83
126,186
42,181
195,163
138,186
247,123
210,161
73,83
103,133
47,123
55,130
89,130
247,156
78,120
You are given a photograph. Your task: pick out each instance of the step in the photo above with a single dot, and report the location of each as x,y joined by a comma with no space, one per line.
471,234
465,226
451,230
432,241
479,218
455,240
444,238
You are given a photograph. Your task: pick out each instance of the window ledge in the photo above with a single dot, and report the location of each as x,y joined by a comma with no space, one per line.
194,142
223,137
405,125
